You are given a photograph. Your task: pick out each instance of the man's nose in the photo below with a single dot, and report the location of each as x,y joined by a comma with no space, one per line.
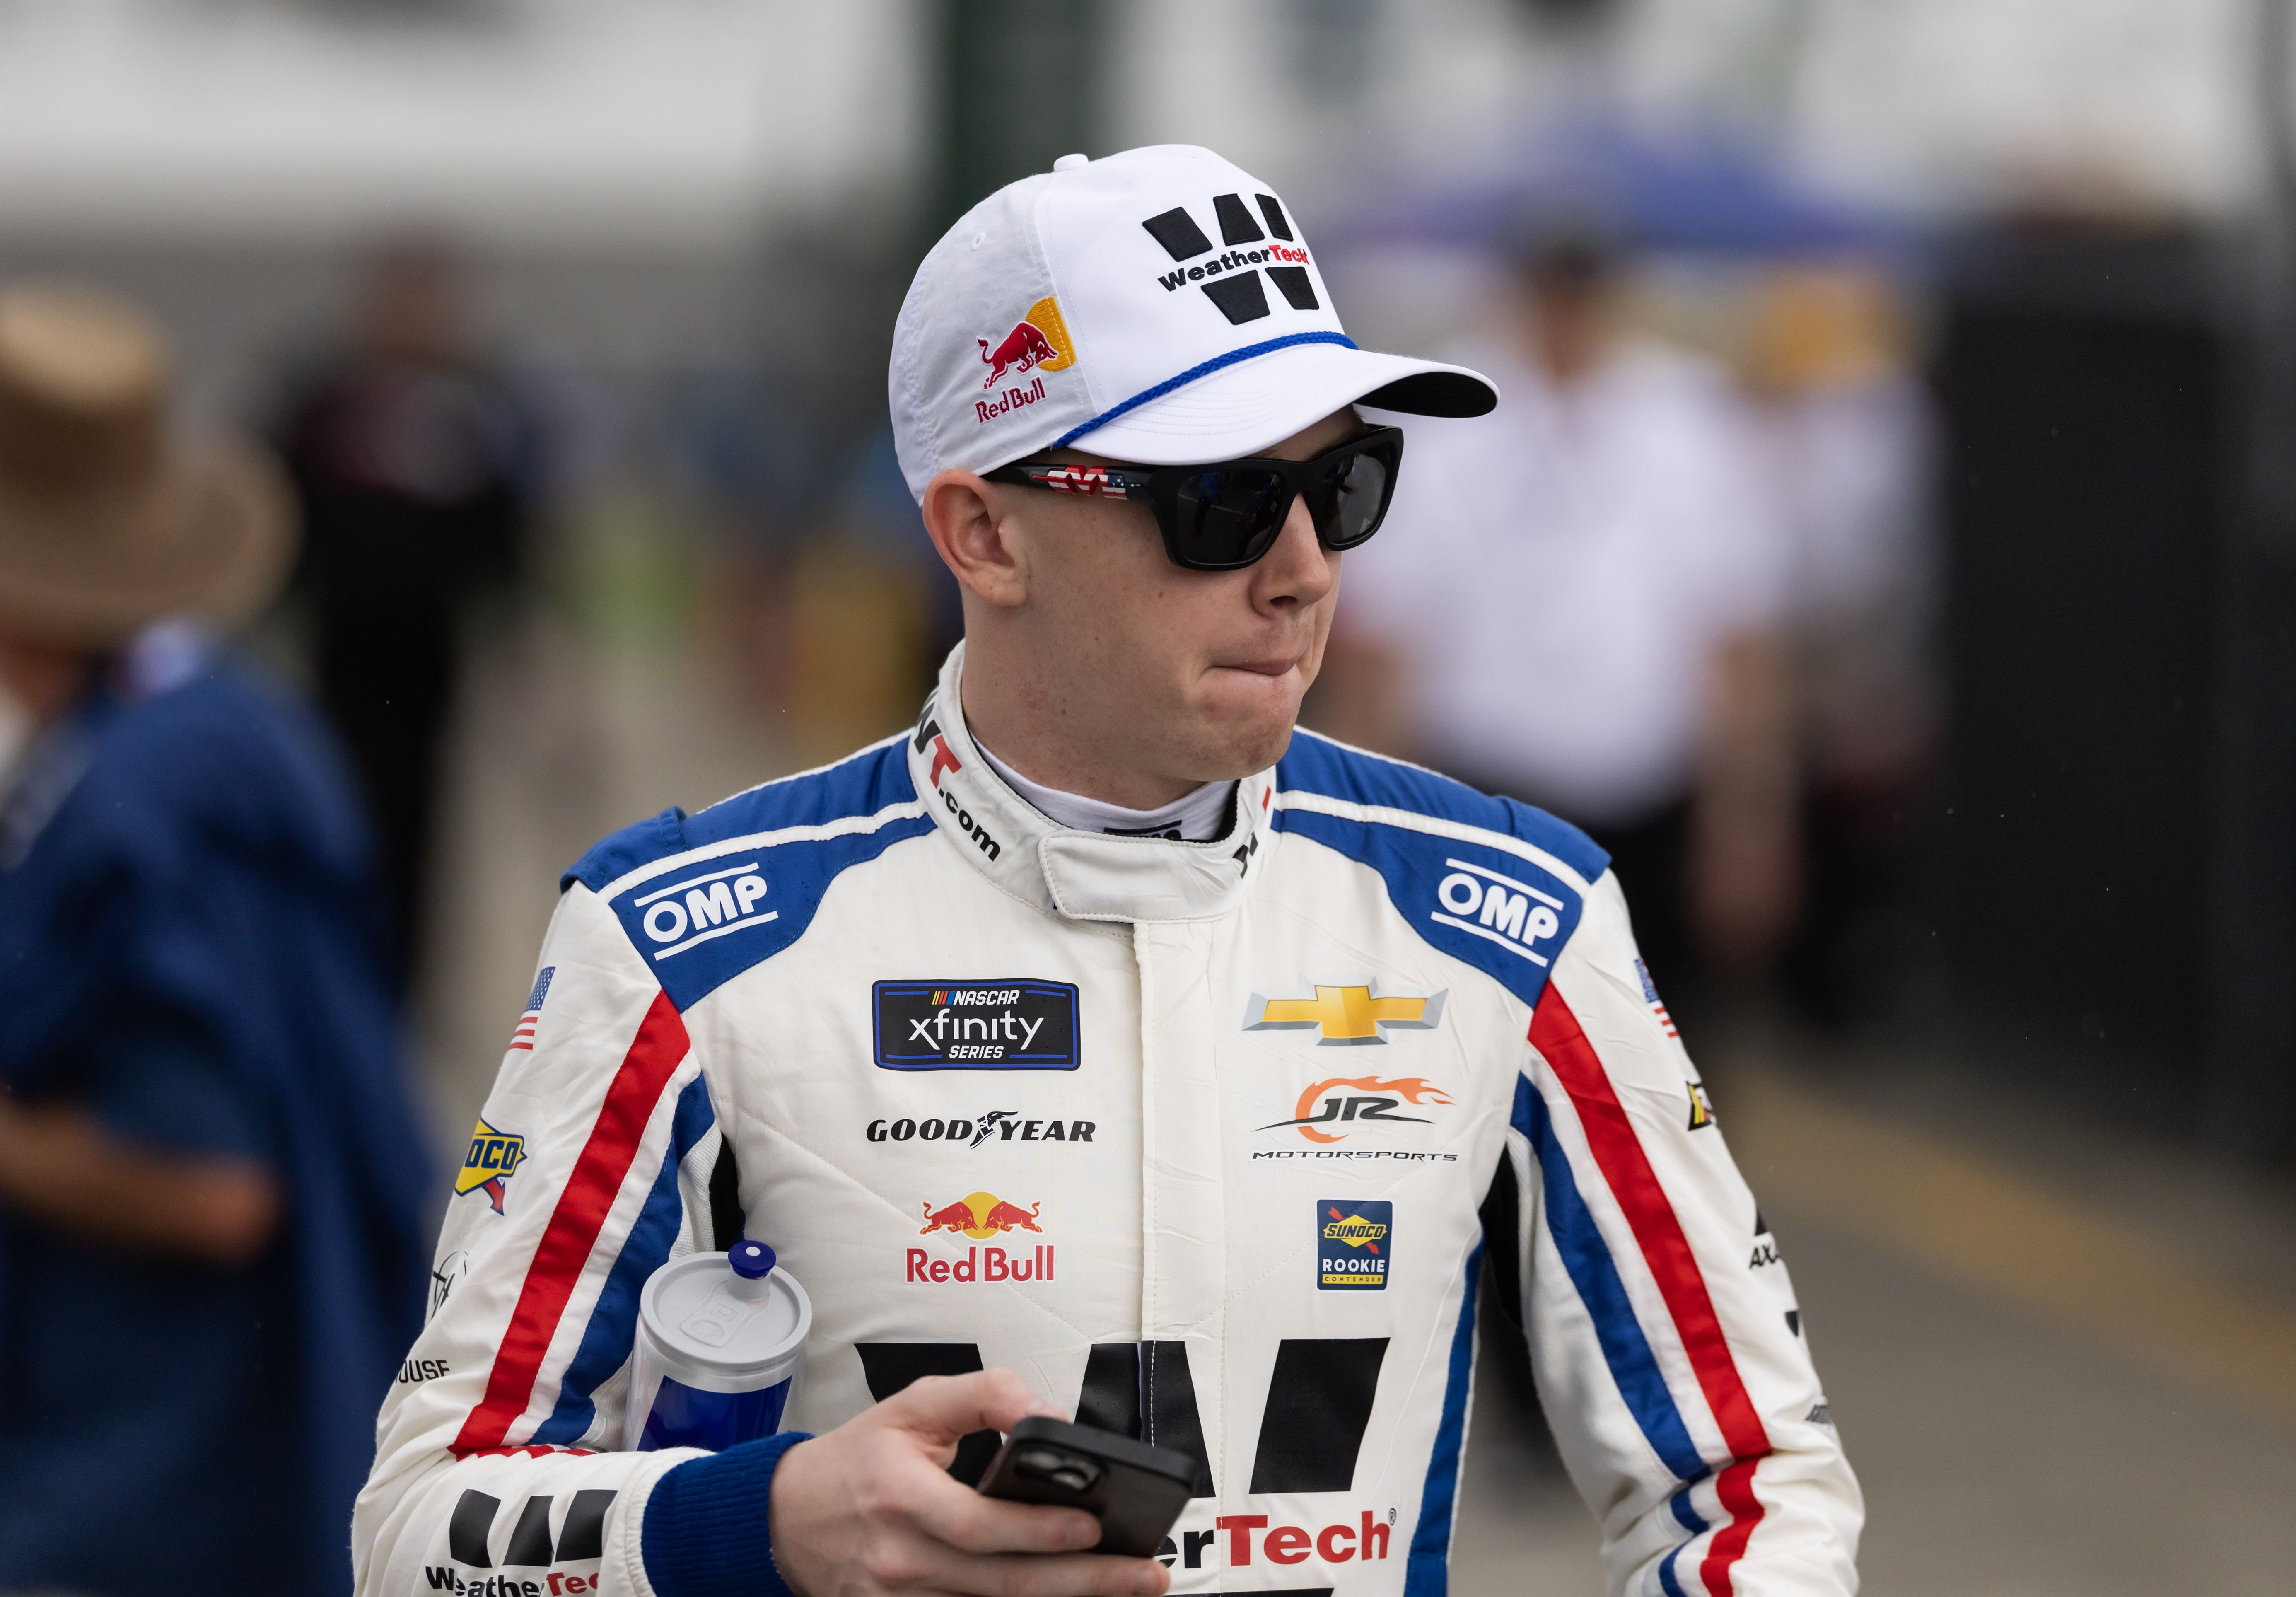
1298,568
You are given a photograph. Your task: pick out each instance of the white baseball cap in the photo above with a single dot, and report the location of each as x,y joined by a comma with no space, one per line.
1157,307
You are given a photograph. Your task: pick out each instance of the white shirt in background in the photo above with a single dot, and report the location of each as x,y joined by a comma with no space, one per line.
1559,572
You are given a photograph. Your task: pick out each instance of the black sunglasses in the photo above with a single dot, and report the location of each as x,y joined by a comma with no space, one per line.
1226,516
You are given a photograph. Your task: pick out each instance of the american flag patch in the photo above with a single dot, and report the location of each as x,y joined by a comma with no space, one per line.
523,1037
1649,995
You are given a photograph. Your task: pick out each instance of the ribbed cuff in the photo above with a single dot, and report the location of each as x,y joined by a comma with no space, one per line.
705,1531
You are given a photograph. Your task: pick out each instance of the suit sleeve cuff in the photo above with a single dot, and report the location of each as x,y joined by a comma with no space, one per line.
705,1533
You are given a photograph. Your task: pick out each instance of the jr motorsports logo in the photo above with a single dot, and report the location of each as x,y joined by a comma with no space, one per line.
1345,1017
1328,1110
493,1156
1354,1240
942,1025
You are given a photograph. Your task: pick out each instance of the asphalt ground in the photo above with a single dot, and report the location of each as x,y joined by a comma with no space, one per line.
2062,1355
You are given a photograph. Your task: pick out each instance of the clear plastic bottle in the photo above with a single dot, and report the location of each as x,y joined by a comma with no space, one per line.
720,1338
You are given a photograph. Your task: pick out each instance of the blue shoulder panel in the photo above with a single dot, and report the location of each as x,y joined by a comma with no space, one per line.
700,925
1314,763
1480,903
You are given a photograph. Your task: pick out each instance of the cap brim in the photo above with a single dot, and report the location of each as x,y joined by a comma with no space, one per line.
1256,404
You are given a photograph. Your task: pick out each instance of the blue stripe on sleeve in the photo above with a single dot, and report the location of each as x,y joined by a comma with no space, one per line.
1586,1257
613,1323
1691,1520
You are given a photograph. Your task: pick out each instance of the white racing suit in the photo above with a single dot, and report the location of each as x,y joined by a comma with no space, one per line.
1211,1143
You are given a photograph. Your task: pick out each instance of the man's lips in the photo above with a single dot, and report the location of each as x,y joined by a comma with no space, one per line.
1271,666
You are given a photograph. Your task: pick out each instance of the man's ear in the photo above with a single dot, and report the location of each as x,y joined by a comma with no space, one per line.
976,537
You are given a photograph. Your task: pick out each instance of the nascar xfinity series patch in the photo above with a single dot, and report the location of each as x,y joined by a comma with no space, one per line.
1017,1025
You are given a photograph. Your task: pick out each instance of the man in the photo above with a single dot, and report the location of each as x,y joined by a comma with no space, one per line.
1582,611
210,1183
1014,1035
409,456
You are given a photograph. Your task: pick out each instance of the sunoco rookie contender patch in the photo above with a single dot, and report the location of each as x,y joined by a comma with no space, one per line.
1354,1241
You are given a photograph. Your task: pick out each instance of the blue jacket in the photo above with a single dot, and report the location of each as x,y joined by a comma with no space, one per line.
188,949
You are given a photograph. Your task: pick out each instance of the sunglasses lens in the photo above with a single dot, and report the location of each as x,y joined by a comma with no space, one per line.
1229,515
1351,500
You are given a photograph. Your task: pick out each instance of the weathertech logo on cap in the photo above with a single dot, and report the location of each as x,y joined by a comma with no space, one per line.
1231,280
1354,1241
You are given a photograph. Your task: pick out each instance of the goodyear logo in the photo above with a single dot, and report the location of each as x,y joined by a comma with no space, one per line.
1354,1243
1346,1016
493,1155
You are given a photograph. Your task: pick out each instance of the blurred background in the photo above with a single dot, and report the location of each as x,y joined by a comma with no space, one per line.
1961,800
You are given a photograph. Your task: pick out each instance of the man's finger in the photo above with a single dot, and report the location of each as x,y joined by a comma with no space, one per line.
942,1408
970,1522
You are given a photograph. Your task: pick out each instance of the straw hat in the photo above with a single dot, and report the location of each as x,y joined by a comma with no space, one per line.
106,522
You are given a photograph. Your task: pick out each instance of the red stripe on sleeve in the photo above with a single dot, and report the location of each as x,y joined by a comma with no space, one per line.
1555,1033
572,1233
1735,1487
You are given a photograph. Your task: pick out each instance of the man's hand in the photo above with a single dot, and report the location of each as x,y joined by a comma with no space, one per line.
62,1165
869,1508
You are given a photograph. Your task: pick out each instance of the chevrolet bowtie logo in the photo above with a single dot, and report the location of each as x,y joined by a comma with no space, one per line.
1348,1017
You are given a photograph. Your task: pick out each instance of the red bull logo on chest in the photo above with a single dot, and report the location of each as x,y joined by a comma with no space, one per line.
981,1216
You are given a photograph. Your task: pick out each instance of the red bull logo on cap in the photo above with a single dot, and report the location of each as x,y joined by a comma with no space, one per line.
1038,342
1039,338
981,1216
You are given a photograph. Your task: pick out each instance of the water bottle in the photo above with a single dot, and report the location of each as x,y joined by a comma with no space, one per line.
719,1337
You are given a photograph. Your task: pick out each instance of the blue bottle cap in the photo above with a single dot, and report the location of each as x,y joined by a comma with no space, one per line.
750,1260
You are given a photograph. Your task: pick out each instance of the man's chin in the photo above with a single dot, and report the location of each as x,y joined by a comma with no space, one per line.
1242,745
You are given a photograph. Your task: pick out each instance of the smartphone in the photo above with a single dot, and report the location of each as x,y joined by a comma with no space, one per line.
1135,1489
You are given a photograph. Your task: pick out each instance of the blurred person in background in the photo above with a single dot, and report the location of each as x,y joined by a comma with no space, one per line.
410,455
1844,431
211,1182
1584,610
